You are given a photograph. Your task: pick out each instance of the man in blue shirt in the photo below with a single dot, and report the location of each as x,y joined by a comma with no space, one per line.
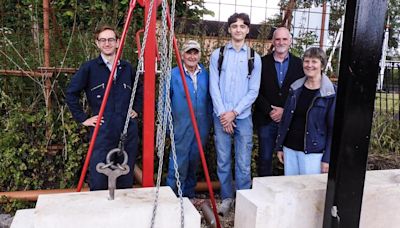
233,91
92,79
279,70
187,152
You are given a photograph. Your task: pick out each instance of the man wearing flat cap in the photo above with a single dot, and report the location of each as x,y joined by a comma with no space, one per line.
187,152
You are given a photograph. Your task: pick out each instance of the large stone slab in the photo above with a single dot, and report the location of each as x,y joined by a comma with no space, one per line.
298,201
23,219
131,208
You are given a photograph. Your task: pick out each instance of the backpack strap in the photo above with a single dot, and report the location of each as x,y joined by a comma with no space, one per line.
250,60
220,59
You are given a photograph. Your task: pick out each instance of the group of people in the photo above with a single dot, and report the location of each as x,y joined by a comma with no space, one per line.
293,102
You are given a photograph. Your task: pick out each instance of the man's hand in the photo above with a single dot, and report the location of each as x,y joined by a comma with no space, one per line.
280,156
91,122
230,128
227,118
133,114
276,113
324,167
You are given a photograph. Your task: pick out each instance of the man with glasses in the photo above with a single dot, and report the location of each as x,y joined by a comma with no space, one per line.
92,78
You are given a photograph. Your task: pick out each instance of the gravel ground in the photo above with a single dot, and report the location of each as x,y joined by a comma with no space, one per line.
225,221
5,220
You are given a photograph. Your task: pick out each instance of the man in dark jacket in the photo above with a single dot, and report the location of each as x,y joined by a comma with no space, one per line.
92,78
279,70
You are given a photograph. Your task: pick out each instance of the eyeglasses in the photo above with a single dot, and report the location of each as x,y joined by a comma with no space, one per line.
110,40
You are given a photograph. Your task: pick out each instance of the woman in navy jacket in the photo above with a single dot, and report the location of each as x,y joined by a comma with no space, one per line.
305,131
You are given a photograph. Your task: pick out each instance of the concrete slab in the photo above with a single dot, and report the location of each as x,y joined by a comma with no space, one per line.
131,208
381,200
23,219
298,201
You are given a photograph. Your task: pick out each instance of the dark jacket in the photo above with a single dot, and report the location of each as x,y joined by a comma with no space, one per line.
92,78
270,93
319,118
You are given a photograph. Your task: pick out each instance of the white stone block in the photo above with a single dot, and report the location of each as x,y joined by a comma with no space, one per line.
131,208
381,200
299,201
23,219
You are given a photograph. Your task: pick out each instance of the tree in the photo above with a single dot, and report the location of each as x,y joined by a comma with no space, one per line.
394,29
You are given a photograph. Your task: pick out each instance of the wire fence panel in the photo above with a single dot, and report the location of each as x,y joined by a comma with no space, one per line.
387,99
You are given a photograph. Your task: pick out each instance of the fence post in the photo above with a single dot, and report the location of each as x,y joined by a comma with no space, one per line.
359,67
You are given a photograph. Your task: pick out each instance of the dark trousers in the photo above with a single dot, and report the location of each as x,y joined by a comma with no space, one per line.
266,141
108,139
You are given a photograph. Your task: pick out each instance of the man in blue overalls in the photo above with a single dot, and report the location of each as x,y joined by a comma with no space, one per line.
92,78
187,152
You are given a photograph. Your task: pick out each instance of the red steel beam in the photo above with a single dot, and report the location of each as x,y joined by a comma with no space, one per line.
46,43
322,32
69,70
149,98
21,73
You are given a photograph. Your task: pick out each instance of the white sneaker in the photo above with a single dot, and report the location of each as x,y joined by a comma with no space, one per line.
225,206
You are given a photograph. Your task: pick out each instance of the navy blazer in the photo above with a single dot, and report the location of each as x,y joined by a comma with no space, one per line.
92,78
270,93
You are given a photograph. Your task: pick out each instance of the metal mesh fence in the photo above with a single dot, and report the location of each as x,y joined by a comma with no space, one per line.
72,42
387,98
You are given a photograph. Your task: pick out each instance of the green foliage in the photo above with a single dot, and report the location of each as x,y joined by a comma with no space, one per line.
41,149
394,16
25,162
385,137
303,41
13,205
193,10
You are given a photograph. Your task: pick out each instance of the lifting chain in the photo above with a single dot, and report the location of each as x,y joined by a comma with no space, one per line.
164,116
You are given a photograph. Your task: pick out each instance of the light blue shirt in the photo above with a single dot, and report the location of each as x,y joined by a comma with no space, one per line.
234,89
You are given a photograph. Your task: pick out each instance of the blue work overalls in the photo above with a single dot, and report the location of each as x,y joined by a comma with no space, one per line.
92,78
187,152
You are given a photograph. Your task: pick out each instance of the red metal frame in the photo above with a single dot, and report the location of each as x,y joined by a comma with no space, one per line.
107,92
149,99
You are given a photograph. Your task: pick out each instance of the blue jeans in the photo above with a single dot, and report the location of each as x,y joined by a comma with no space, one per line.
298,163
243,143
266,141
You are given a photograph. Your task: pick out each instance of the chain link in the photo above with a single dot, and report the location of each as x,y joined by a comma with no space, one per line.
164,115
146,32
178,183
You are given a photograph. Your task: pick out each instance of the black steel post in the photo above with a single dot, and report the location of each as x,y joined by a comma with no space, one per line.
359,68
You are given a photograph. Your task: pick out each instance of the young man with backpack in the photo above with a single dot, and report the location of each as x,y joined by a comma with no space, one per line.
234,85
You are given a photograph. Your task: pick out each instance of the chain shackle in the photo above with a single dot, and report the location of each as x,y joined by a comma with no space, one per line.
117,151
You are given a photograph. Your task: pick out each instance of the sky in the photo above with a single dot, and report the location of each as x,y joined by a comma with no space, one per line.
259,10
